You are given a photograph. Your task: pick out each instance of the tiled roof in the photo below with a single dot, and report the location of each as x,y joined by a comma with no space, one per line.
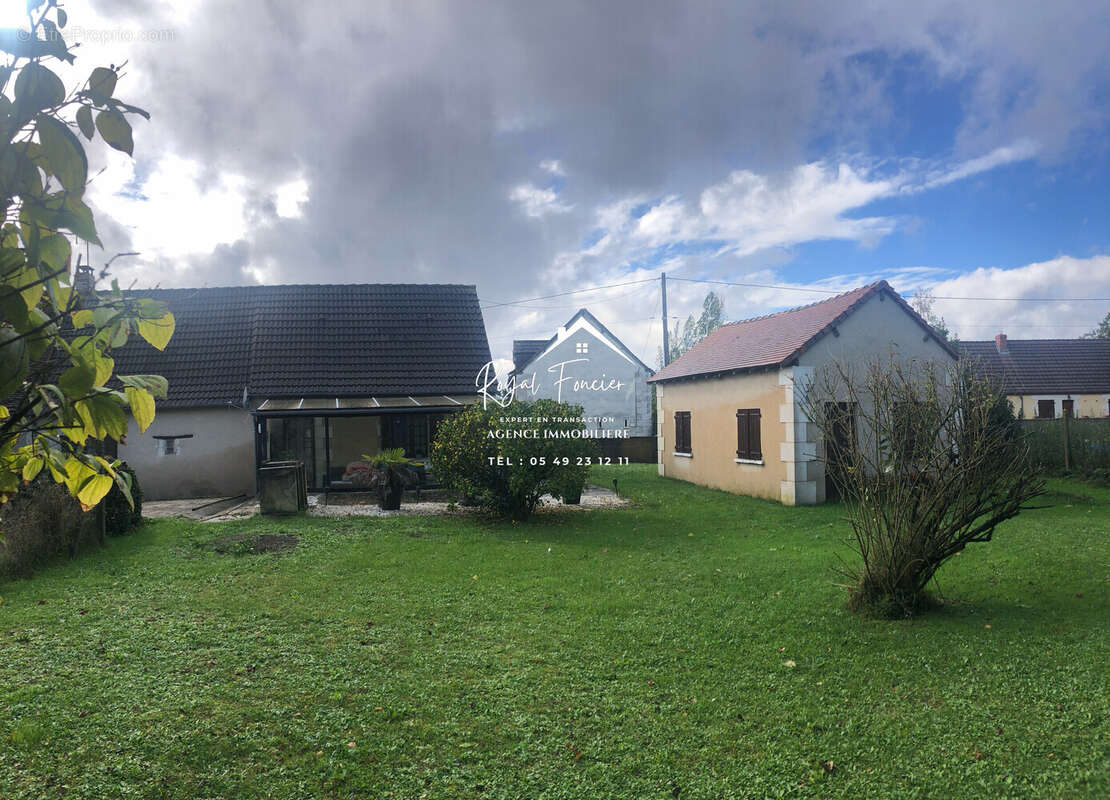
524,350
776,339
315,340
1045,366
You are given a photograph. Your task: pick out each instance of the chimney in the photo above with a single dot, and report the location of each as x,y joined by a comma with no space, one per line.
83,282
1000,343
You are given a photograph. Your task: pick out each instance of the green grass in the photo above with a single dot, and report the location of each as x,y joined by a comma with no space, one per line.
633,653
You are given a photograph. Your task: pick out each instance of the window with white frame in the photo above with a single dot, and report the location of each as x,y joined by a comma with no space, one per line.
582,347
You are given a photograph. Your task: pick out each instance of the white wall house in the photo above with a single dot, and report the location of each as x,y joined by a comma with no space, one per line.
317,373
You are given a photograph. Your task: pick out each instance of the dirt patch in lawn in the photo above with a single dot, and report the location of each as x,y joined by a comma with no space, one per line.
243,543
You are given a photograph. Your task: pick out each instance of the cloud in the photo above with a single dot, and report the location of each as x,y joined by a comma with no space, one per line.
537,202
1010,309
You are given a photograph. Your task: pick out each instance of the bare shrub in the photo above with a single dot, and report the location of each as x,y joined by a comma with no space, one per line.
927,463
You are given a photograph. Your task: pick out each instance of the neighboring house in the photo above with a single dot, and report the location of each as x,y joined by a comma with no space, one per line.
1046,377
317,373
727,409
585,364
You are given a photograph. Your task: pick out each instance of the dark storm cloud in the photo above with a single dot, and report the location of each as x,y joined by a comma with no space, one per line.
412,122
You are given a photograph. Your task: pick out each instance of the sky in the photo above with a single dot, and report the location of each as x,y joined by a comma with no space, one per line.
536,148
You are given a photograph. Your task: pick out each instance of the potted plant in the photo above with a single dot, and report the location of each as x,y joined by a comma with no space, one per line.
389,473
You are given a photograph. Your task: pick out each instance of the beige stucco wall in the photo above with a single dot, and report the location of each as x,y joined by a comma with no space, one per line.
793,471
218,461
712,405
1086,405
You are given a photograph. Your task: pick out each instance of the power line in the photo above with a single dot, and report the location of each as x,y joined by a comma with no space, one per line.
935,297
564,294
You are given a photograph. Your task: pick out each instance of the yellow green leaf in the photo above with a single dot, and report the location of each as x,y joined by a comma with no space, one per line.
104,366
157,331
92,491
82,318
32,468
142,406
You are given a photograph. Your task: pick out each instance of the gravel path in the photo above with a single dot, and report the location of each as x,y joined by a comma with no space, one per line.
594,497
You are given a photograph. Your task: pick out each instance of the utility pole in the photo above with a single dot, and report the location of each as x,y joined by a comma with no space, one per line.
666,333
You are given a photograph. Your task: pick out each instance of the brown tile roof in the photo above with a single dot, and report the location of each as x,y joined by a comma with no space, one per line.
776,339
315,340
1045,366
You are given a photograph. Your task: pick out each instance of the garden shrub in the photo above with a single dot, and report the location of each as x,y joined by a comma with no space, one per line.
41,522
119,515
477,456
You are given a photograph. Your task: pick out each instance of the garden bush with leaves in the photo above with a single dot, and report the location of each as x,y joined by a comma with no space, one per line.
120,516
40,523
475,456
57,384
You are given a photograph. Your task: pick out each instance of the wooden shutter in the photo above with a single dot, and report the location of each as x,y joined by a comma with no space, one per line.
755,446
682,432
748,444
1046,409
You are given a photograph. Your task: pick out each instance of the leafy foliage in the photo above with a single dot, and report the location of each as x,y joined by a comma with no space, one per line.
478,454
927,459
1102,331
57,381
386,473
120,515
712,317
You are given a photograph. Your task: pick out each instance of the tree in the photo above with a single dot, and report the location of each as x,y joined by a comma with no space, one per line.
1102,331
923,302
712,317
60,397
506,459
927,459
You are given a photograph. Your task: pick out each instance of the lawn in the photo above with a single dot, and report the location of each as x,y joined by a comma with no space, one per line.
694,645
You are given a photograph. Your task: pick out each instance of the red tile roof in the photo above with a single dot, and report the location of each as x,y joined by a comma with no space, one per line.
776,339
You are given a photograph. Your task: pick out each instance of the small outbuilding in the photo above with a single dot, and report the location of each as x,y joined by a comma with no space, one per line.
728,410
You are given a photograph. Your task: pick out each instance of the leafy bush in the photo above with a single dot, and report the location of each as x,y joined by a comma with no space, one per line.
480,455
1089,439
119,516
41,522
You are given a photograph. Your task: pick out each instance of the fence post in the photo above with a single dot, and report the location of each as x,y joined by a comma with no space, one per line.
1067,441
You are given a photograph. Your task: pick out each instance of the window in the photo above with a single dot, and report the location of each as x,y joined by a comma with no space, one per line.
682,433
171,445
1069,408
582,348
748,445
1046,409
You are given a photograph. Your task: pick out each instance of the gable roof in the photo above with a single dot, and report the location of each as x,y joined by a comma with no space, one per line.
544,344
1045,366
314,340
777,339
524,350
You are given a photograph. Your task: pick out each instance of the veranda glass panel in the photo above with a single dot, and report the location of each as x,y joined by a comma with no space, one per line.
294,439
351,439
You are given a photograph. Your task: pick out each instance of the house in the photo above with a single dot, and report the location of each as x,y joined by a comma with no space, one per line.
585,364
729,416
1044,378
318,373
